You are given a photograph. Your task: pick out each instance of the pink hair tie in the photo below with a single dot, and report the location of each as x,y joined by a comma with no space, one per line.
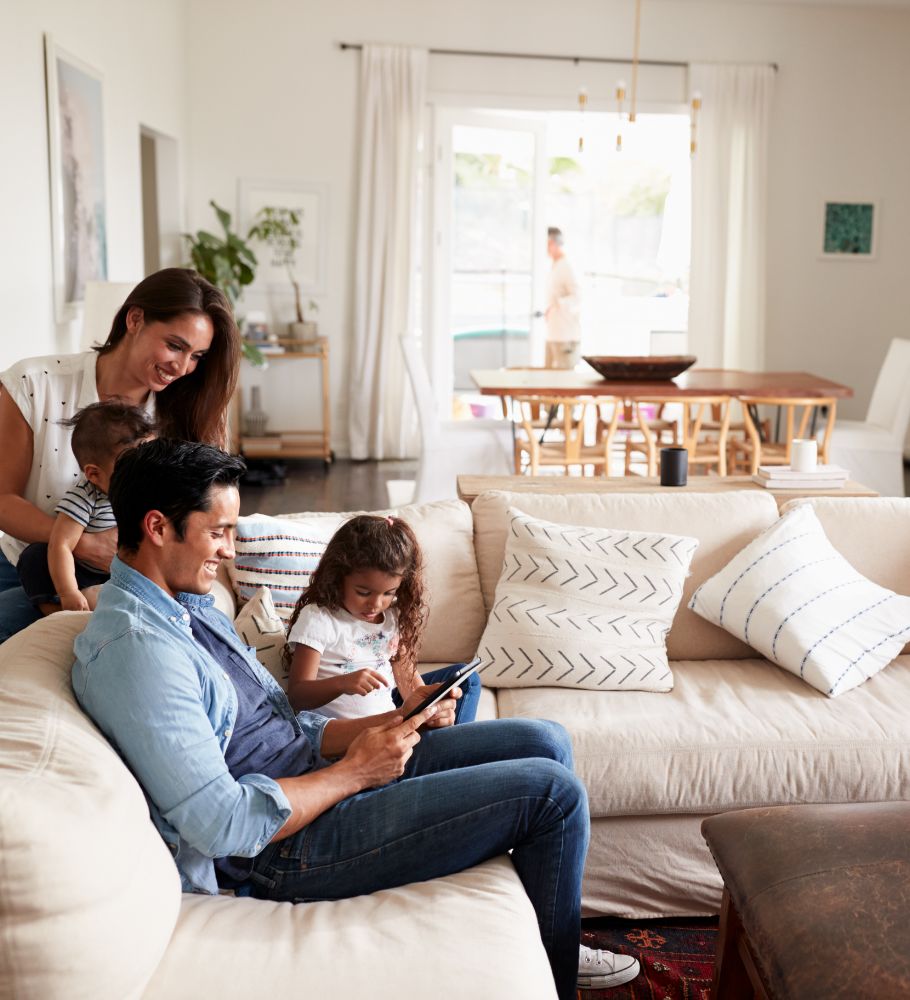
390,519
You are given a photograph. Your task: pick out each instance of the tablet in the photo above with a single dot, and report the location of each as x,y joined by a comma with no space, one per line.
447,686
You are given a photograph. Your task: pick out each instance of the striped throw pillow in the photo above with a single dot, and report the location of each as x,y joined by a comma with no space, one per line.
792,596
280,554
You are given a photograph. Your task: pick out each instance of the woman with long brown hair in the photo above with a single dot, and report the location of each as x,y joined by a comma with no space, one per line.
173,349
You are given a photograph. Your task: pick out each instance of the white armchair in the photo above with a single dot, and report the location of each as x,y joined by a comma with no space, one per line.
451,447
873,449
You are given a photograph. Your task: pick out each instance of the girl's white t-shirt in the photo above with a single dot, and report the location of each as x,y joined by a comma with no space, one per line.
345,644
48,390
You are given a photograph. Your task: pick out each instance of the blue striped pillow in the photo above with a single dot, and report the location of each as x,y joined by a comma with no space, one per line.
792,596
280,554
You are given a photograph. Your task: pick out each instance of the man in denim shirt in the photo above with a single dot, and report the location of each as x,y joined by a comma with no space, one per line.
242,790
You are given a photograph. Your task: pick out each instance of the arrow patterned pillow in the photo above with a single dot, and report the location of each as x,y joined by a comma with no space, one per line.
260,626
585,608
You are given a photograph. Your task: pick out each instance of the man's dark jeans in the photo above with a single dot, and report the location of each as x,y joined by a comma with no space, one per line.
469,793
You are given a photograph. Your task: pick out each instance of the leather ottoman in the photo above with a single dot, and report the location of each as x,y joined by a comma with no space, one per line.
816,901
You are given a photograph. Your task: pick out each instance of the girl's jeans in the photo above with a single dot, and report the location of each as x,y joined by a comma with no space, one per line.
469,793
16,610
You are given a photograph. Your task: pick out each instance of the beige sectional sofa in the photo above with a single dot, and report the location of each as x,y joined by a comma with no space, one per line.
89,896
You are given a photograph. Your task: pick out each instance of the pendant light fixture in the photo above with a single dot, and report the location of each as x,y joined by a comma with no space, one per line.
693,122
620,97
636,45
621,84
582,105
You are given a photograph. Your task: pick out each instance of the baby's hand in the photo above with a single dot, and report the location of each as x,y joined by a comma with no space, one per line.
74,600
363,681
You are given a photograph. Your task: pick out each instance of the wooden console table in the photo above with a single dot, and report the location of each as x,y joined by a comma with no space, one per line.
469,487
297,443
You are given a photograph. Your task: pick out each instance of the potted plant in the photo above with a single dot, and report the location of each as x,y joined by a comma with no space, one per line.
228,262
279,229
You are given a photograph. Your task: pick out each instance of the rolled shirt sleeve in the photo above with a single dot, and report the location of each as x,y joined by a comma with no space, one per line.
313,725
148,698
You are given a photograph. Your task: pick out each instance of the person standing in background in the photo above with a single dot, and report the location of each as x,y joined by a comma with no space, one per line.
563,313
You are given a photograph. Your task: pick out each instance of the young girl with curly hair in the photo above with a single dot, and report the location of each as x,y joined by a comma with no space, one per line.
355,634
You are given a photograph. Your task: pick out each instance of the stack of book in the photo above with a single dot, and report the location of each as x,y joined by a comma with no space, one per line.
782,477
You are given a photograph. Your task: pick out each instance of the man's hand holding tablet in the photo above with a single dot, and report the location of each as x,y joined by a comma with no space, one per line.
443,696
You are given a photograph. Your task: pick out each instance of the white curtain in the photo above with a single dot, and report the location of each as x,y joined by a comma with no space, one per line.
729,209
393,84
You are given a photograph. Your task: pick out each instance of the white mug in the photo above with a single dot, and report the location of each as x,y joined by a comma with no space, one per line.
804,455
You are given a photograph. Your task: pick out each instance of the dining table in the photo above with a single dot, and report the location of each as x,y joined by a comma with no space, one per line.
695,382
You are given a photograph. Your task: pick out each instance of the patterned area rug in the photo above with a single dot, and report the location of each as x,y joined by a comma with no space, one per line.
676,956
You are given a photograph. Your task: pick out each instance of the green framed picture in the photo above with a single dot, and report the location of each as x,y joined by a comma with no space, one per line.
850,229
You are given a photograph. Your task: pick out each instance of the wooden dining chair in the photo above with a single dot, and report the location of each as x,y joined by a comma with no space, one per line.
561,442
705,427
763,451
627,428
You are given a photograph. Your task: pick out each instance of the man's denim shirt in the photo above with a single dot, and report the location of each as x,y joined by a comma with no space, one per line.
169,710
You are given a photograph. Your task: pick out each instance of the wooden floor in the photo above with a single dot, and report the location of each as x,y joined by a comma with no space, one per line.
309,487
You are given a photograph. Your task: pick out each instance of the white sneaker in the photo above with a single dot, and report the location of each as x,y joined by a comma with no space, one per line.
601,970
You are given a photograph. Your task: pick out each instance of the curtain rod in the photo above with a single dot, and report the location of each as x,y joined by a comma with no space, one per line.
676,64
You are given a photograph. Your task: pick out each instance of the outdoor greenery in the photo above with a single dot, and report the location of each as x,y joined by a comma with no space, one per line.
490,170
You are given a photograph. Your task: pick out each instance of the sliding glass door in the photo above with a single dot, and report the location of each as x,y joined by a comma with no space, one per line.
489,250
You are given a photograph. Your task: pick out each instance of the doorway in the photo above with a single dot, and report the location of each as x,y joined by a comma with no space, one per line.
500,179
161,241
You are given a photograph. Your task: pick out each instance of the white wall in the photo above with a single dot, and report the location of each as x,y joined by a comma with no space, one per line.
840,129
263,92
139,48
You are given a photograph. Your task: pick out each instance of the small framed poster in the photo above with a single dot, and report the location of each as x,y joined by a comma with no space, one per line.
310,200
849,230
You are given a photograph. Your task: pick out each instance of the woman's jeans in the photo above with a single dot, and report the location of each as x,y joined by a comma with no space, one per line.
468,793
16,610
466,706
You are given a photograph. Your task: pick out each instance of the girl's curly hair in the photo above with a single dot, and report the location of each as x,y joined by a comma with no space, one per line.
374,542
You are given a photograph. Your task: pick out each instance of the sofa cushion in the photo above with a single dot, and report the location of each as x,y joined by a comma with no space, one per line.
445,532
88,890
584,608
386,945
872,534
793,596
723,523
732,734
260,626
881,550
279,553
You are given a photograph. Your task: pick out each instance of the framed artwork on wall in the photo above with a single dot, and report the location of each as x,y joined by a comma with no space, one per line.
849,230
75,132
310,200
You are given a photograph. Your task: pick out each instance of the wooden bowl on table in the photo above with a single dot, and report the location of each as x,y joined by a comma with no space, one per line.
642,369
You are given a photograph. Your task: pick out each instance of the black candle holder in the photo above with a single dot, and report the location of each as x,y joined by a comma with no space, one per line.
674,466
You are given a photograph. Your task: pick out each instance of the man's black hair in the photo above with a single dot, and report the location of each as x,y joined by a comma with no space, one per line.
175,477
